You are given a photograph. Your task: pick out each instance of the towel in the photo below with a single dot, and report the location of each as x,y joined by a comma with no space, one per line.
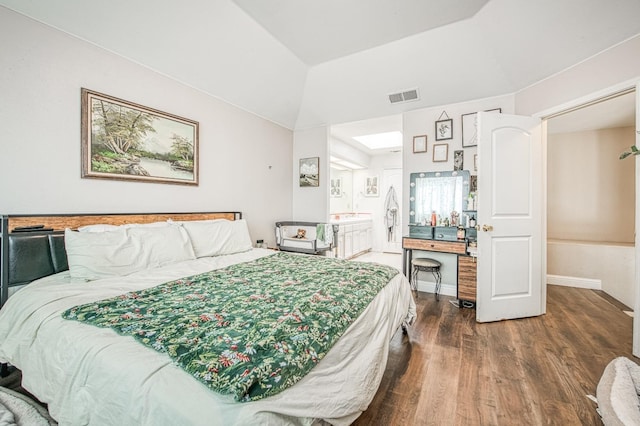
391,213
324,233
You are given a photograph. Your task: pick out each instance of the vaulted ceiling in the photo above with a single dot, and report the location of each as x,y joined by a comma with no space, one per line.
302,63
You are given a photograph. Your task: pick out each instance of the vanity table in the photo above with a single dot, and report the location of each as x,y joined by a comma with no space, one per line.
466,264
437,195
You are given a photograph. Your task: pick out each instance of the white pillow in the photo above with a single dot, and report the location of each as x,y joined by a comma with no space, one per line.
103,227
218,237
95,255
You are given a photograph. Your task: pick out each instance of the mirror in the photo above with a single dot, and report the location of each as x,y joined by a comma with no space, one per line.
442,192
340,191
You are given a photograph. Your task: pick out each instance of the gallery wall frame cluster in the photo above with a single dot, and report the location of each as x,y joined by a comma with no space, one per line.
444,131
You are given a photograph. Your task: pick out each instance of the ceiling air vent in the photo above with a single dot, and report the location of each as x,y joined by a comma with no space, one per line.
406,96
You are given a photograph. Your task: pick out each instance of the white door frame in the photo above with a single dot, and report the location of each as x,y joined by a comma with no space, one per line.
636,304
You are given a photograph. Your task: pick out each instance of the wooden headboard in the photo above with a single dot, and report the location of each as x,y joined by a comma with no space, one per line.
32,246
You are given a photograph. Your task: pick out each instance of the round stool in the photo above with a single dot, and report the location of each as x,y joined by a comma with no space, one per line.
427,265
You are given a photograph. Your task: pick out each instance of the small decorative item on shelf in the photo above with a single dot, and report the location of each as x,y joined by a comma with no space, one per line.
434,218
454,218
461,233
471,201
472,222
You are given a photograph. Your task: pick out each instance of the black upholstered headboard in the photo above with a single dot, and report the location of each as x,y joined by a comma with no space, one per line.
32,246
32,255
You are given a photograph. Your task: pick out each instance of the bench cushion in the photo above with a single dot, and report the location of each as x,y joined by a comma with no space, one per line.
617,393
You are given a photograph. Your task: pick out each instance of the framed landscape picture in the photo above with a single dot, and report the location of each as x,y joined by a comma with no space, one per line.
126,141
309,171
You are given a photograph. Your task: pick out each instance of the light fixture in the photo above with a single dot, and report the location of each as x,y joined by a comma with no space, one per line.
381,140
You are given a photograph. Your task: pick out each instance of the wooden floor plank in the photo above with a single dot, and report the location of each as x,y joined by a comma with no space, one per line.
451,370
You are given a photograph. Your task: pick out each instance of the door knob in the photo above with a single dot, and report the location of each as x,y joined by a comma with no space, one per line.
487,228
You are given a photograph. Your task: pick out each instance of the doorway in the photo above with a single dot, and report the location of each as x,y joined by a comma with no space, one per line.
591,197
392,191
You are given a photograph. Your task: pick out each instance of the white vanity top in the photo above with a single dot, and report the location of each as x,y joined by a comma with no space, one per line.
350,218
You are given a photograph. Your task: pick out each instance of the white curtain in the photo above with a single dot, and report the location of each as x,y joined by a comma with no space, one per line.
440,194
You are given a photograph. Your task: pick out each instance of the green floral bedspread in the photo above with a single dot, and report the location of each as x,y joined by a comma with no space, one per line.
252,329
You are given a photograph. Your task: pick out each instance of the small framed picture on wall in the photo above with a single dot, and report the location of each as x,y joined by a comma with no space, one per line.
420,143
371,186
458,159
440,152
444,129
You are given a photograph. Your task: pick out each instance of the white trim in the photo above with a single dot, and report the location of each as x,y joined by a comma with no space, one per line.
608,91
577,282
577,64
636,303
445,289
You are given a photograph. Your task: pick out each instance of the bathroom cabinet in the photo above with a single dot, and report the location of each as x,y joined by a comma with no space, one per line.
354,237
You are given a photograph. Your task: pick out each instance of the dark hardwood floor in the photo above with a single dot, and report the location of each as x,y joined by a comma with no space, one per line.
450,370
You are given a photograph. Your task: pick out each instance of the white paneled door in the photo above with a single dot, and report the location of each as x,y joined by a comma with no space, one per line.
511,249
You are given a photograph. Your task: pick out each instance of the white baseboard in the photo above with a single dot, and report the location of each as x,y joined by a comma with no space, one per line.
451,290
588,283
445,289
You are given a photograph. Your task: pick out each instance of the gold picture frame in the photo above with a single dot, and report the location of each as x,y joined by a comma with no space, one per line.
125,141
440,152
420,143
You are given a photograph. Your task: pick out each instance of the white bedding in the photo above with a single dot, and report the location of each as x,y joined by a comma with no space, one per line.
91,375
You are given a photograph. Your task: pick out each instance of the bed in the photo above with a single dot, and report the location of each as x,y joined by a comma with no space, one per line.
95,375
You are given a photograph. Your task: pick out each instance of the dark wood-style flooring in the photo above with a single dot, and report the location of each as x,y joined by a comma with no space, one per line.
450,370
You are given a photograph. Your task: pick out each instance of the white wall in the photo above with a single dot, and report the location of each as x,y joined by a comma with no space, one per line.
422,122
613,67
344,151
311,203
245,161
590,192
593,265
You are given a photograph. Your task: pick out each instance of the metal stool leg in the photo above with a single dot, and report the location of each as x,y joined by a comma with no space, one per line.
414,278
438,277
